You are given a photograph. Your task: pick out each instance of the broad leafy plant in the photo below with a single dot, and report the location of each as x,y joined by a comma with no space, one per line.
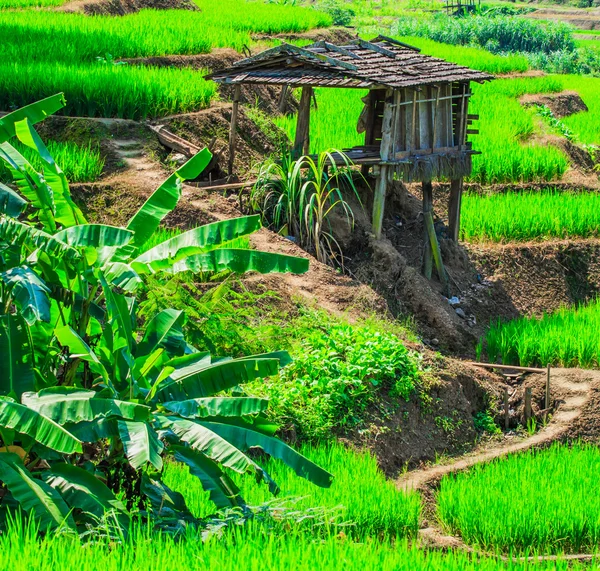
298,197
92,400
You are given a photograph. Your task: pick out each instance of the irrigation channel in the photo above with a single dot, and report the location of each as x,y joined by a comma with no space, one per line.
572,389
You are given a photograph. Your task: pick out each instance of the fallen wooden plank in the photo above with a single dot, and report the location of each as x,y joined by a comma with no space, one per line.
507,367
173,141
231,186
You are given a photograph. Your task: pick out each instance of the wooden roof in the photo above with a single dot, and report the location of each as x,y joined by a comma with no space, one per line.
379,63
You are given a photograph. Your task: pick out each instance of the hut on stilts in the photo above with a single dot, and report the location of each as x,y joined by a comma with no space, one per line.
416,118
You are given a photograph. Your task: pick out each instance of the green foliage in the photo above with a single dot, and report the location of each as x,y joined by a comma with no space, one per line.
297,197
553,514
496,33
523,216
360,490
339,372
86,370
80,164
484,422
341,14
569,337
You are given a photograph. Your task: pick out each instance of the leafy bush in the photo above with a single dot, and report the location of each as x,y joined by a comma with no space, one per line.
501,33
339,370
340,14
484,422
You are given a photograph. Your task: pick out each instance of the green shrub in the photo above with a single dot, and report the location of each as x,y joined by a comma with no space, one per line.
340,14
338,372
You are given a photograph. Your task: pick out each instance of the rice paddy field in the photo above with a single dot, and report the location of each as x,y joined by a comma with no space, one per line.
73,44
569,337
359,492
536,501
240,550
523,216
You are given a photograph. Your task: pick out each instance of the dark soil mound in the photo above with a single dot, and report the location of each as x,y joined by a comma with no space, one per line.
561,104
122,7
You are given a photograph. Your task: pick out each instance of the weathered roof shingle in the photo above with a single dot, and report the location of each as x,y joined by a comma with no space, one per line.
382,62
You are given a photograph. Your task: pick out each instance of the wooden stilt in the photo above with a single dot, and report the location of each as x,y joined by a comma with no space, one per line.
302,140
427,209
283,98
233,126
437,254
456,190
385,172
379,201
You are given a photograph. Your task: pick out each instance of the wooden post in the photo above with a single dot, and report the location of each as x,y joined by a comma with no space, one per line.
384,171
302,140
427,209
283,98
437,254
527,406
370,125
456,190
547,399
506,410
233,126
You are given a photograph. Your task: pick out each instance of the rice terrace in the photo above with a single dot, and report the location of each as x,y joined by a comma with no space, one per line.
299,284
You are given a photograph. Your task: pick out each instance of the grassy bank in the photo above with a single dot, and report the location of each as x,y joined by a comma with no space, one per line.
516,216
541,501
569,337
361,492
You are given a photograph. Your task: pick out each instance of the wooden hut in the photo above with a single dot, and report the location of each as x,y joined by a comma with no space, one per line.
416,112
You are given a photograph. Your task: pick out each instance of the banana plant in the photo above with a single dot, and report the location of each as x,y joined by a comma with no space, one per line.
88,400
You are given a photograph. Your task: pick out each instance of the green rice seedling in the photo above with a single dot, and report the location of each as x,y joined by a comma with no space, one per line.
11,4
516,216
473,57
569,337
79,163
371,502
544,501
584,125
248,548
94,90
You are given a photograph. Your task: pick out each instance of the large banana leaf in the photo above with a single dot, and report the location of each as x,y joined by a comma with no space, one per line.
164,501
216,378
16,357
31,423
11,203
68,337
165,330
216,448
218,406
221,488
94,235
29,293
69,404
122,275
240,262
67,213
198,240
246,438
83,491
118,312
31,184
34,496
141,444
35,112
164,199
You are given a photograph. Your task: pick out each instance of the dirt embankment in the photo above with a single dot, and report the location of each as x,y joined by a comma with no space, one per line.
582,19
123,7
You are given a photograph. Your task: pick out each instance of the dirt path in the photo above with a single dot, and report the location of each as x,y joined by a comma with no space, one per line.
572,388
